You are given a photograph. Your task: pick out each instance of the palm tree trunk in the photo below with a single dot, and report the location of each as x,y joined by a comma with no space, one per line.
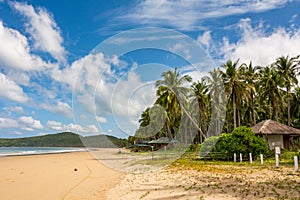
239,117
234,110
253,111
289,106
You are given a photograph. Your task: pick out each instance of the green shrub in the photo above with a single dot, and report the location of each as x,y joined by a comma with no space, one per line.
241,140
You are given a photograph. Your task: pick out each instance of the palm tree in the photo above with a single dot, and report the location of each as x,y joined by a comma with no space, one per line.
218,103
201,99
287,69
235,87
250,75
171,92
269,90
295,106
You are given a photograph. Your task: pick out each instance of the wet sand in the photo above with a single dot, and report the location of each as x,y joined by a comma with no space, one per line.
62,176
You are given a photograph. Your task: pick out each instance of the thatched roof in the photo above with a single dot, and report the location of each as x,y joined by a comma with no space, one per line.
270,127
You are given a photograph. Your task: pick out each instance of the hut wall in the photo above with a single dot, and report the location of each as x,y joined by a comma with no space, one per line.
274,141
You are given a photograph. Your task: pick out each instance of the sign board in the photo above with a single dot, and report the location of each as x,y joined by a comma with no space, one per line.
277,150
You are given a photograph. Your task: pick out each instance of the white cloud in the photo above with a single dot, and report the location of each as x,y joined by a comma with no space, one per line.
16,53
59,107
25,123
43,30
17,109
205,39
101,91
12,91
8,123
260,47
185,15
101,119
29,124
58,126
21,78
84,71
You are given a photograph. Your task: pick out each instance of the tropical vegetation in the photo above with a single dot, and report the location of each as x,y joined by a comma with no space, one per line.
233,95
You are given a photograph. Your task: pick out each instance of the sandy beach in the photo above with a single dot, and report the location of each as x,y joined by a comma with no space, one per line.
63,176
78,176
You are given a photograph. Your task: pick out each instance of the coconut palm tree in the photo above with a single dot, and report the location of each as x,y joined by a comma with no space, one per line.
218,103
171,92
269,90
235,87
250,75
287,70
200,98
295,106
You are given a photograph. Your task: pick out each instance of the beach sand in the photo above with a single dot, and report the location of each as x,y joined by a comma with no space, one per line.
63,176
211,182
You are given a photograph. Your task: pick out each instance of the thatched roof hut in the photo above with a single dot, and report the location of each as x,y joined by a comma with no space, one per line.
277,134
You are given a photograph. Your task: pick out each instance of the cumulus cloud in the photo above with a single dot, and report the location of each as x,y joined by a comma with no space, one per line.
260,47
43,29
8,123
186,15
205,39
26,123
59,107
58,126
15,51
12,91
29,124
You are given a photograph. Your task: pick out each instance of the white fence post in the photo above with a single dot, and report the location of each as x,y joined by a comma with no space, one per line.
277,160
234,157
241,157
296,163
261,159
250,156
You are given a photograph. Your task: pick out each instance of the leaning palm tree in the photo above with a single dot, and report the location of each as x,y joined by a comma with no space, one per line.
235,87
171,91
287,70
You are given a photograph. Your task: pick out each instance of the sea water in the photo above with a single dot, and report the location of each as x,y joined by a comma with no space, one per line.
14,151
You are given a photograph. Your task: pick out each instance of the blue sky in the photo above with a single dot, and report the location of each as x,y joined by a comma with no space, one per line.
90,66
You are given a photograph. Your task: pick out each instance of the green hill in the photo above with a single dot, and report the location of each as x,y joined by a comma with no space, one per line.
65,139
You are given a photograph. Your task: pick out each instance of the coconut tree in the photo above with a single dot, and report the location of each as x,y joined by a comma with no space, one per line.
201,100
235,87
295,106
217,100
171,90
250,75
287,70
269,90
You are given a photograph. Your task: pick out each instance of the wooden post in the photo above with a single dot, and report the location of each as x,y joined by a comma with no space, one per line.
234,157
241,157
165,152
261,159
277,160
152,147
296,163
250,157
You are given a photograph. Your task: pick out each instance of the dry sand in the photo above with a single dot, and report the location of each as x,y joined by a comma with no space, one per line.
210,182
53,176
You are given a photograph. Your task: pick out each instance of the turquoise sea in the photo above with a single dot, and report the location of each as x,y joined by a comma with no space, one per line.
14,151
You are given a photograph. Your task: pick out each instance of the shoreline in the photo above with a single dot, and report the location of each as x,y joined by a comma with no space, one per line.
67,175
41,152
